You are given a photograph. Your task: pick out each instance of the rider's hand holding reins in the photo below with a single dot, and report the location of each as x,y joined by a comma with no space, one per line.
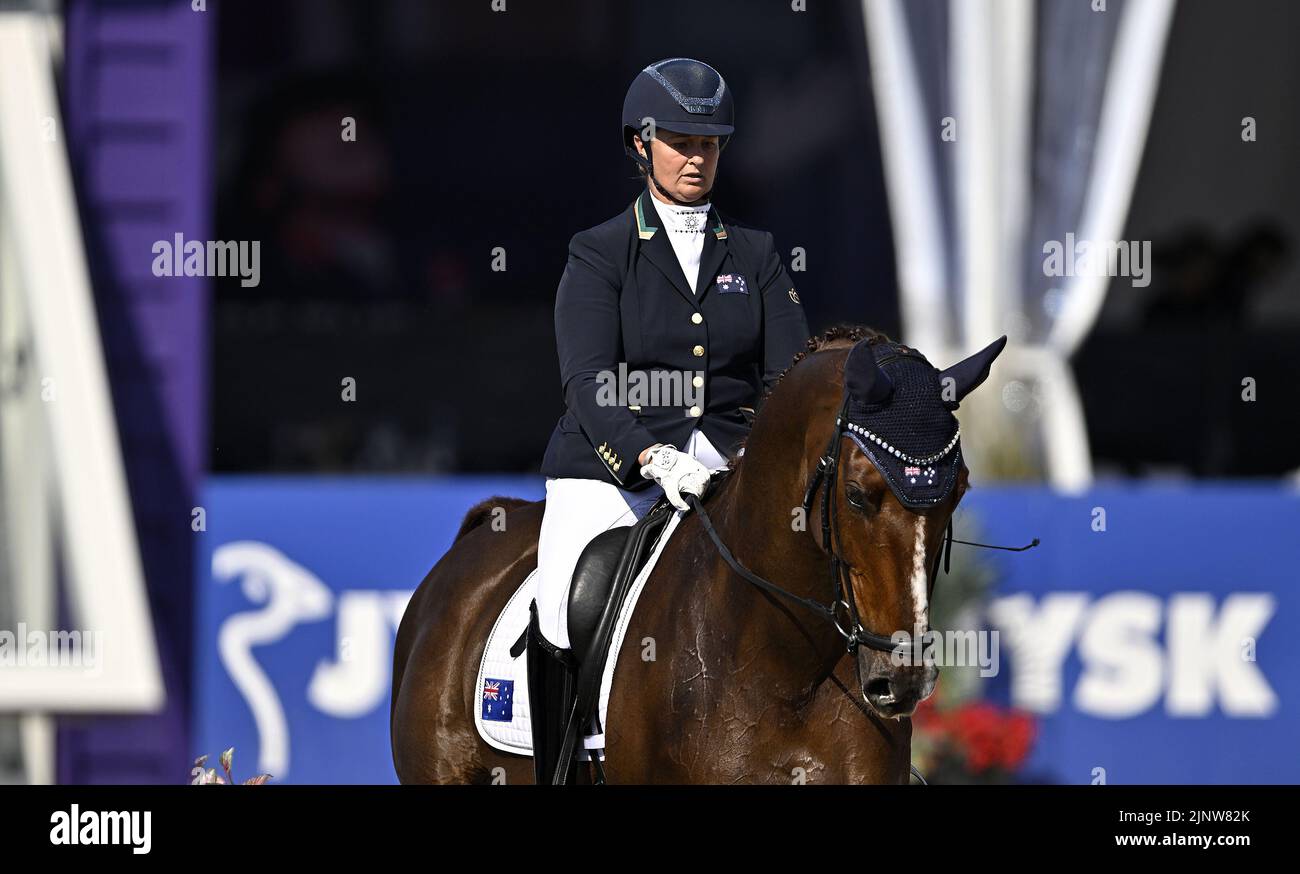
678,474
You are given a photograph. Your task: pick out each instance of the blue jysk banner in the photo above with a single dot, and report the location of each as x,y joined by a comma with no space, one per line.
1155,633
301,586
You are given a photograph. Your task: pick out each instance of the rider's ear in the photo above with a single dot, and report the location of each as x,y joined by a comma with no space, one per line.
967,374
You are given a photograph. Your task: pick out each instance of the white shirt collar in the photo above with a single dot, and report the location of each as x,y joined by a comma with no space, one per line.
687,220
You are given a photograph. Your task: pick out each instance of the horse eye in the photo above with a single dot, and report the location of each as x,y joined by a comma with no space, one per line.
859,500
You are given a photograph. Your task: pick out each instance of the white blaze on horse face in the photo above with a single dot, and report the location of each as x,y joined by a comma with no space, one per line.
920,580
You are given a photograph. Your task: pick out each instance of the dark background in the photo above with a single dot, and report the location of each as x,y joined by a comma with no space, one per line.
478,129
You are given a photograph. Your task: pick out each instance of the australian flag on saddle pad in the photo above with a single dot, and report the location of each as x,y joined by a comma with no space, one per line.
731,283
498,699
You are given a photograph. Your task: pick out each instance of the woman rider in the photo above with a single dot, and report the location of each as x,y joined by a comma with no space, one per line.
670,324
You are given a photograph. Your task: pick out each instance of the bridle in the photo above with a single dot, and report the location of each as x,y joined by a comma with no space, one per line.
825,478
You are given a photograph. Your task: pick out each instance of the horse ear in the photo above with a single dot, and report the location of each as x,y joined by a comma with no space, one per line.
967,374
865,381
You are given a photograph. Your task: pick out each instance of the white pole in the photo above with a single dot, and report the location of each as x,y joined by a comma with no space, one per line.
38,215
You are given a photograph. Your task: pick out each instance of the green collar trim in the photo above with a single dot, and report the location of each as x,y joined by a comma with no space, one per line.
646,231
643,230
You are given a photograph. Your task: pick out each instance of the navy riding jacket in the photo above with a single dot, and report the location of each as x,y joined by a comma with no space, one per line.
644,360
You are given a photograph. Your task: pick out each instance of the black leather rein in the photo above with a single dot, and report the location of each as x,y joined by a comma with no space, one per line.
827,474
855,635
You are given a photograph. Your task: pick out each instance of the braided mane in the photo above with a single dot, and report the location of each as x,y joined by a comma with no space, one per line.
838,335
833,337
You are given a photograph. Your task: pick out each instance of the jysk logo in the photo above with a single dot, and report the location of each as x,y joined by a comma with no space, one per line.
268,663
1205,659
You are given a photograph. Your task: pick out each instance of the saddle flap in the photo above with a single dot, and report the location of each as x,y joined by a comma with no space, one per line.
593,576
637,546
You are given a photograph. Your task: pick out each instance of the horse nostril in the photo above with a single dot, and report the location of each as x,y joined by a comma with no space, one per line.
879,690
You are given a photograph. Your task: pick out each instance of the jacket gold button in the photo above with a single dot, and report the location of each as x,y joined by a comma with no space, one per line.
696,411
698,382
697,318
699,351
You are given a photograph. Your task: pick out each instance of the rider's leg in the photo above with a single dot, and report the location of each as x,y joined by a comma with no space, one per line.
576,511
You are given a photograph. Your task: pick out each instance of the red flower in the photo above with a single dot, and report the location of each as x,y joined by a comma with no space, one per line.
991,737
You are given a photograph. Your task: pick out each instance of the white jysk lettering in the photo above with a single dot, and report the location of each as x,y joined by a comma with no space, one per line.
1195,662
77,826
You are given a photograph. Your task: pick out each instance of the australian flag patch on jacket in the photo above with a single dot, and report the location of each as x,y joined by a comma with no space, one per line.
732,283
498,699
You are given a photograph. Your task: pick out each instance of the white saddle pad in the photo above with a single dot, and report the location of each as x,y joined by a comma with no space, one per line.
502,714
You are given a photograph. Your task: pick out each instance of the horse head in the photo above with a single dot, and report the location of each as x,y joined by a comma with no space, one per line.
881,473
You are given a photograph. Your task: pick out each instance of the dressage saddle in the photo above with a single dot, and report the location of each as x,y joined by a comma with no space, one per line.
597,572
563,685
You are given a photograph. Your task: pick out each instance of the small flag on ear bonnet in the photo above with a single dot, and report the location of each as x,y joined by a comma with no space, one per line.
897,415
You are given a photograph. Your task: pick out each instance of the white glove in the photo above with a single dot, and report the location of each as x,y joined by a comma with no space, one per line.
678,474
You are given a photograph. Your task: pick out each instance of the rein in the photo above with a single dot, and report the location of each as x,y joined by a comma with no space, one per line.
855,636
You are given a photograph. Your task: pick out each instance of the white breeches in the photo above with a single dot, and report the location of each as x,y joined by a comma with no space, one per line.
576,511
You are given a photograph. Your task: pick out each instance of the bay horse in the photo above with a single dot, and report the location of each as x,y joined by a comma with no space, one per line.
719,681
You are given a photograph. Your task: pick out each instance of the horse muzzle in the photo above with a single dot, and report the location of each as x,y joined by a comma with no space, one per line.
894,691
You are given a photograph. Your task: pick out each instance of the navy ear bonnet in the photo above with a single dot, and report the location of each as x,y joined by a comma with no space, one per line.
899,412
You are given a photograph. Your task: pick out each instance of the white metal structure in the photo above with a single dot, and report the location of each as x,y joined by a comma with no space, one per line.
61,472
990,78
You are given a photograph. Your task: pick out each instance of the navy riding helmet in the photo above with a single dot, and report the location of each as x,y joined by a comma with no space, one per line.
681,95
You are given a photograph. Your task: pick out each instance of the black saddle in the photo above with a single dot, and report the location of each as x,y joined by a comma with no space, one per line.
601,582
598,569
604,573
611,557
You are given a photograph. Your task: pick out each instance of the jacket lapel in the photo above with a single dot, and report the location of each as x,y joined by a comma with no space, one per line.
715,249
659,251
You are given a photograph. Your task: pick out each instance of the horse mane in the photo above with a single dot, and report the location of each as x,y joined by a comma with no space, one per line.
833,337
837,335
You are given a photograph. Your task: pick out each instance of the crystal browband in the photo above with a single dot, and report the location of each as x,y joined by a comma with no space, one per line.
898,453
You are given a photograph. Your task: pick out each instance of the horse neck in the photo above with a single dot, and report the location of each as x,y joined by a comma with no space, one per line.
756,518
774,472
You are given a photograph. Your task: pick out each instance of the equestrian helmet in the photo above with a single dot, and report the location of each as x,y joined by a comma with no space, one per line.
681,95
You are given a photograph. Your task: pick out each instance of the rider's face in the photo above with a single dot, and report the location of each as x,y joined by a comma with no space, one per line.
684,164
